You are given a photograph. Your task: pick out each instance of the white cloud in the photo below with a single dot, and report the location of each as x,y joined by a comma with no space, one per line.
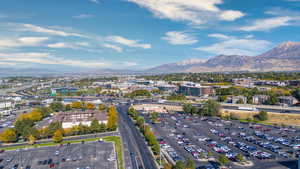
95,1
219,36
22,42
47,58
72,45
129,64
62,45
83,16
237,46
83,44
39,29
231,15
267,24
192,11
179,38
114,47
128,42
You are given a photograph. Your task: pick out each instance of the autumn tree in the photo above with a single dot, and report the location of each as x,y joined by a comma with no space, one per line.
77,105
31,139
90,106
57,137
101,107
112,118
8,136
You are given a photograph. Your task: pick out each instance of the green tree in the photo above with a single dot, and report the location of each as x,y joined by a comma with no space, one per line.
223,160
190,164
240,157
296,93
140,121
156,148
46,111
102,127
95,126
211,108
179,165
154,116
272,100
262,116
57,106
57,137
222,98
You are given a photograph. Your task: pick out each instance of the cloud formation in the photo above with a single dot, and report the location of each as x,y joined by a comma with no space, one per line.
114,47
229,45
191,11
179,38
128,42
40,29
267,24
21,42
47,58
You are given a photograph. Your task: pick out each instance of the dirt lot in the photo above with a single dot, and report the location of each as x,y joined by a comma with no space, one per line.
275,118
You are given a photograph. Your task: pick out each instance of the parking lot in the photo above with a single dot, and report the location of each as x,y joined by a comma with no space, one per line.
183,137
92,155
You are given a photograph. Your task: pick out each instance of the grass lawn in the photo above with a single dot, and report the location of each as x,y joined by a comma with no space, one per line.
119,148
48,144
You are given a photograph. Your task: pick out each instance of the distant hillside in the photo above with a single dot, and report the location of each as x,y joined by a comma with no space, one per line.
285,57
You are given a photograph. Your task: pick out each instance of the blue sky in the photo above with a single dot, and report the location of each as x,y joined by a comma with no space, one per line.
139,34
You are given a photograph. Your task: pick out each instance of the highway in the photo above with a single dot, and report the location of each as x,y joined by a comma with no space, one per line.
140,154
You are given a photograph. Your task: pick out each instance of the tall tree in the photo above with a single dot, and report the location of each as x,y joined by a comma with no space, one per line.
57,137
95,126
57,106
211,108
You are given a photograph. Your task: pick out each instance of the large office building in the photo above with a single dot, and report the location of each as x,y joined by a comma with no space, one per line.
193,89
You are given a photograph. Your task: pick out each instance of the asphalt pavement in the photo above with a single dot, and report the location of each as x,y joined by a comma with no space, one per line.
137,146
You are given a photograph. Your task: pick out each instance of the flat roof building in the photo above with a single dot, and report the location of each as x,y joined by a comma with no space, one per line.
70,119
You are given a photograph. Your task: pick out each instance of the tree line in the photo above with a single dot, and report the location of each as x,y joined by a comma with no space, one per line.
24,126
145,130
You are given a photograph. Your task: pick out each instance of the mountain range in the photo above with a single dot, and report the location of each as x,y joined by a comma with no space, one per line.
285,57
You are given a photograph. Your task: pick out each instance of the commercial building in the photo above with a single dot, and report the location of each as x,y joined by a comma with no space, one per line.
6,104
192,89
63,91
237,100
74,118
287,100
260,99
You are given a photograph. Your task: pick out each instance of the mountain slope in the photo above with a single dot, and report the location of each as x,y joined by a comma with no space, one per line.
285,57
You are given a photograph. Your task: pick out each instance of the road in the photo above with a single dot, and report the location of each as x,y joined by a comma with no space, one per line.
136,143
